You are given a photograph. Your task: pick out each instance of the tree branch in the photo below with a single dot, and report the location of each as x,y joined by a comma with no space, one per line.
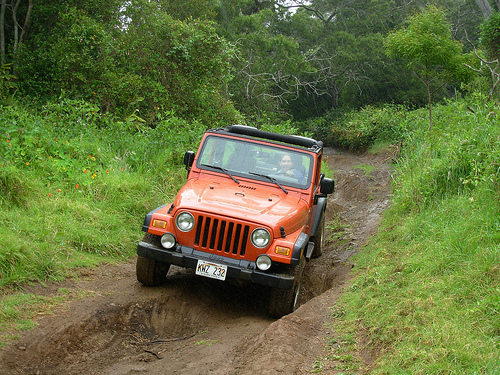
495,76
485,7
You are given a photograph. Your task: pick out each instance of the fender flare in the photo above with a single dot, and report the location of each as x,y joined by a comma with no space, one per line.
320,211
299,248
149,216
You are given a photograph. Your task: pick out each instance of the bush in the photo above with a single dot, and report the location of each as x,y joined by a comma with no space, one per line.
359,130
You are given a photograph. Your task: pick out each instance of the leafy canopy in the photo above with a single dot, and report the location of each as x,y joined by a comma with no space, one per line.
426,44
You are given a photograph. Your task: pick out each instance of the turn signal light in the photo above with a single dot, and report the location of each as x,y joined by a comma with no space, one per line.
282,250
159,224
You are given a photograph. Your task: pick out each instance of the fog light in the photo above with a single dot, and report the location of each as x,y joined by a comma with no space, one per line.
168,240
263,262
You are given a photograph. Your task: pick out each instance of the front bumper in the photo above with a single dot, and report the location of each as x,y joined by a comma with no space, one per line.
238,269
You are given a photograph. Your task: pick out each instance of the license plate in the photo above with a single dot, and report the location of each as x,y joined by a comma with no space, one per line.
212,270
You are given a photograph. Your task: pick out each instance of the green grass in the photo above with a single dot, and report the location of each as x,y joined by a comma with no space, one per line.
426,295
365,168
74,194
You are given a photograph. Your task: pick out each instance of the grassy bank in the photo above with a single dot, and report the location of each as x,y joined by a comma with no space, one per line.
74,186
426,296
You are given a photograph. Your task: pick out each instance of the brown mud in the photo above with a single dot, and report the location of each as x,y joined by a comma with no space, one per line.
193,325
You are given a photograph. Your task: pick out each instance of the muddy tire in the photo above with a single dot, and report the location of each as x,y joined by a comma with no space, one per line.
151,272
284,301
318,239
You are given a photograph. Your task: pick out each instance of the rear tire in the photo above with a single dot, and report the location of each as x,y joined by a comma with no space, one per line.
284,301
151,272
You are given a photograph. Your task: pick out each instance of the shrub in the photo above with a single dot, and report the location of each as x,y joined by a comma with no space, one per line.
359,130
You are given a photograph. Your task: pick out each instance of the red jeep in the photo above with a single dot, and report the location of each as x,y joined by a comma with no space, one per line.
252,209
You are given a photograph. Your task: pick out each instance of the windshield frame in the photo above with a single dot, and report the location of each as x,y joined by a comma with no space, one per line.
266,160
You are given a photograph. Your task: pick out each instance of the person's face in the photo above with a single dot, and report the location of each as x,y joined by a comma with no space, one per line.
286,163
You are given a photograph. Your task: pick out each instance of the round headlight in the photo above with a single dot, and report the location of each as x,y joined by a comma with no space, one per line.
263,262
168,240
184,221
260,237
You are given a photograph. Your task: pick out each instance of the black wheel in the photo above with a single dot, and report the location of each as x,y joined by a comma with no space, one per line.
151,272
318,239
284,301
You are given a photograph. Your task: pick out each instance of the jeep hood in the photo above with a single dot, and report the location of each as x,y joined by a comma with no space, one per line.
249,202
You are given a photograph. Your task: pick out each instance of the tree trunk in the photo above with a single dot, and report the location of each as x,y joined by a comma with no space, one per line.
27,20
19,38
485,7
2,31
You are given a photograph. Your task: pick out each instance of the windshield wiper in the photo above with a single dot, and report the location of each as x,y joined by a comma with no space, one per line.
221,169
272,179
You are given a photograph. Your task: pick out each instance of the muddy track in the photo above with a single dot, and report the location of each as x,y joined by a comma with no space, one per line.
193,325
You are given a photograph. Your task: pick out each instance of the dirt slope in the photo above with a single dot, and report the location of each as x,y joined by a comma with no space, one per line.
200,326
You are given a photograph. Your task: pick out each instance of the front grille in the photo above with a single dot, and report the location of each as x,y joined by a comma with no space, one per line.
221,235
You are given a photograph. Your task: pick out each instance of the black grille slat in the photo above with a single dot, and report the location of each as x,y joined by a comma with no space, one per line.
206,231
198,230
229,237
221,235
244,240
213,235
236,243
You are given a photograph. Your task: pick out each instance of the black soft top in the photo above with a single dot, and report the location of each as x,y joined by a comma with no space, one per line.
296,140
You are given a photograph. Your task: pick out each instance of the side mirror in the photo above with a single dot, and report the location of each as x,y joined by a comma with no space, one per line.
188,159
327,186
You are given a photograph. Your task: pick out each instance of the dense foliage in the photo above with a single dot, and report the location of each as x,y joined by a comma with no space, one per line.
218,61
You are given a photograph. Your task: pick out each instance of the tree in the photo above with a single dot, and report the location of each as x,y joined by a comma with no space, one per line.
429,50
485,6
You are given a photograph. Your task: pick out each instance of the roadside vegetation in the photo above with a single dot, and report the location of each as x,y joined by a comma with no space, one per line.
426,296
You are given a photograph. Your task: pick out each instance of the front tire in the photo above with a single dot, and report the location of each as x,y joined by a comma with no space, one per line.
151,272
284,301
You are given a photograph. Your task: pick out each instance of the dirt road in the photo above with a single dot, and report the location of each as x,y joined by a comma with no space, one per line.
193,325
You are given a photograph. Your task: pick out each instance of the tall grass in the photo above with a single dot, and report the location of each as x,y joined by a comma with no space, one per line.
75,186
427,291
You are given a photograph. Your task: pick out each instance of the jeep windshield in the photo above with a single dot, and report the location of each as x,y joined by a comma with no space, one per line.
258,161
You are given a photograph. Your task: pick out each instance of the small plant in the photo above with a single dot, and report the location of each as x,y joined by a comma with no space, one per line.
207,342
318,366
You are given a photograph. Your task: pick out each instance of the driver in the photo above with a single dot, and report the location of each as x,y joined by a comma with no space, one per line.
287,169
